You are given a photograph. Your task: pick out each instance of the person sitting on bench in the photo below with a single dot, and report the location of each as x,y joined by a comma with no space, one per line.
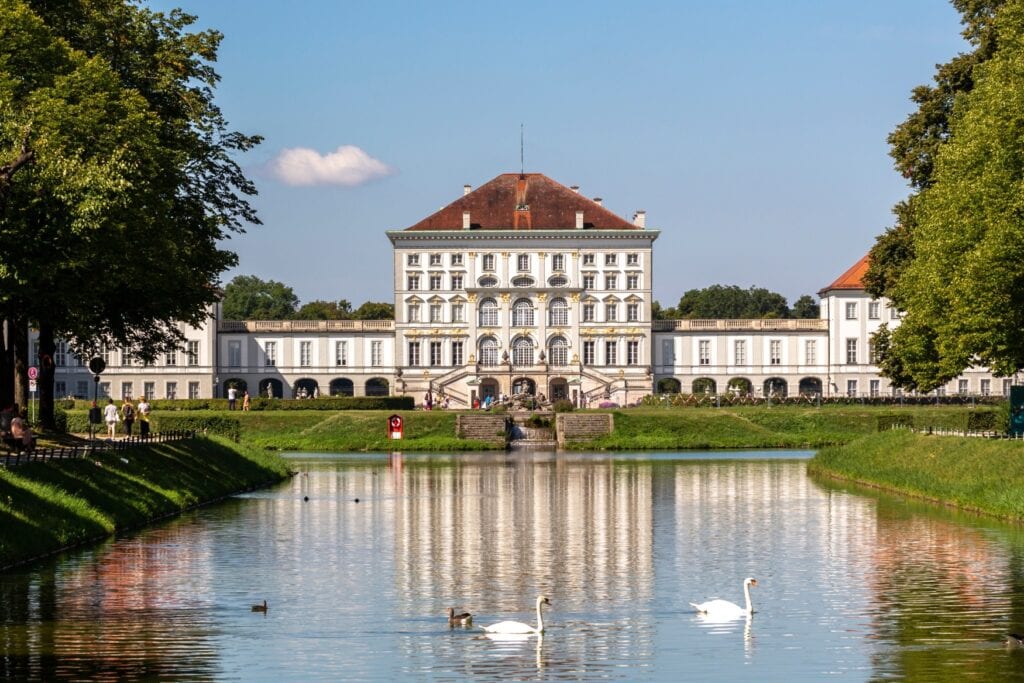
21,433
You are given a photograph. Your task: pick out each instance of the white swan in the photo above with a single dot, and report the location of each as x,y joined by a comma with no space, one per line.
724,608
518,626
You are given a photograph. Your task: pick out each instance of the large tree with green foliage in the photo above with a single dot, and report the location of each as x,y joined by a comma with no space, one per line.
247,297
117,177
963,291
730,301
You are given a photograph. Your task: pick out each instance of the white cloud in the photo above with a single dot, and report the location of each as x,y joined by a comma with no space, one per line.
347,165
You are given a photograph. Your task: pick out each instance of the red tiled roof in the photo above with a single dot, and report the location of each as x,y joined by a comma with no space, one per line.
852,278
530,201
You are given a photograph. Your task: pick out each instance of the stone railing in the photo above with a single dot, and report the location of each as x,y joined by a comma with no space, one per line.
788,324
306,326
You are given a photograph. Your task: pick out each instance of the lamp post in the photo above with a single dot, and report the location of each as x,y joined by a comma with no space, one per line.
96,365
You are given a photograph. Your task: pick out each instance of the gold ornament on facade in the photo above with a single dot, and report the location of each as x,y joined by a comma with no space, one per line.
504,297
542,297
575,297
471,297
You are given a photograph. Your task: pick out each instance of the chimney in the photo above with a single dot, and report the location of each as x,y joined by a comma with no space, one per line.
579,220
466,189
575,188
640,219
597,200
465,220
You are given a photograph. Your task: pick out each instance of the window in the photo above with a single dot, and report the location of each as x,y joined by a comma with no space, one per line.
609,259
558,262
458,313
456,259
704,351
435,259
414,354
436,354
558,313
488,313
633,312
558,281
962,386
60,356
126,390
522,352
171,390
126,357
305,353
874,386
234,353
488,262
522,313
873,310
435,282
1007,383
456,282
340,353
851,387
105,353
894,314
193,389
610,357
60,389
588,281
588,313
412,259
376,353
489,352
588,259
270,352
171,358
588,352
435,313
633,353
413,282
522,282
851,310
633,259
940,391
488,281
810,352
192,350
739,348
105,389
611,312
610,282
523,262
149,390
457,353
632,281
775,352
414,313
851,351
986,387
872,354
82,388
558,351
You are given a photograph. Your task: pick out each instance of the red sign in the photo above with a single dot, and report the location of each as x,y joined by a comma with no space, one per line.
33,372
396,427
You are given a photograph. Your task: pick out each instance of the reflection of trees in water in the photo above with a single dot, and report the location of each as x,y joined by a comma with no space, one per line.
940,579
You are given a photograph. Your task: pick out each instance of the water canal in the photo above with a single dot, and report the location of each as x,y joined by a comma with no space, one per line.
853,585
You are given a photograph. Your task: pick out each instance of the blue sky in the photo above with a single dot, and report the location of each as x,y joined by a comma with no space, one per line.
752,133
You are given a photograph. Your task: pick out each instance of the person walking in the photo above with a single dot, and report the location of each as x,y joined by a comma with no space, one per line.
110,417
143,411
232,397
128,415
246,401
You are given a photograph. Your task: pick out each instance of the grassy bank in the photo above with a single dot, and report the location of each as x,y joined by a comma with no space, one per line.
982,475
758,426
48,506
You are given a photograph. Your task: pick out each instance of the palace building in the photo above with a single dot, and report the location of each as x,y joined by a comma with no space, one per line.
523,285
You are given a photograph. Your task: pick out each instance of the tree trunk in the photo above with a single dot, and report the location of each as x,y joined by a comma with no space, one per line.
47,347
6,365
19,344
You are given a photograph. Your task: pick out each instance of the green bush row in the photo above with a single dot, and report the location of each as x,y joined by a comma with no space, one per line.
326,403
78,422
983,420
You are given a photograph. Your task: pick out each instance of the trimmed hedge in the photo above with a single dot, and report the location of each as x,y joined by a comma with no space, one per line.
887,422
78,422
326,403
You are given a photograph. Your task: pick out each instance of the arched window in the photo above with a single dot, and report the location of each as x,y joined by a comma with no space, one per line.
488,313
522,313
558,351
522,282
558,281
558,313
522,352
489,351
488,281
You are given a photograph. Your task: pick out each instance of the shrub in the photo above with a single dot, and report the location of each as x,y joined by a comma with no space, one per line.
563,406
326,403
986,421
78,422
538,422
887,422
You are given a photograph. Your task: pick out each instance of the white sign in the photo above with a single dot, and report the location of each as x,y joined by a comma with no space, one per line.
32,385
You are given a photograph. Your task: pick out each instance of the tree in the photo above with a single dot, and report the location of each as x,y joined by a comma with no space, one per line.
659,313
117,178
371,310
729,301
247,297
325,310
806,307
964,289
